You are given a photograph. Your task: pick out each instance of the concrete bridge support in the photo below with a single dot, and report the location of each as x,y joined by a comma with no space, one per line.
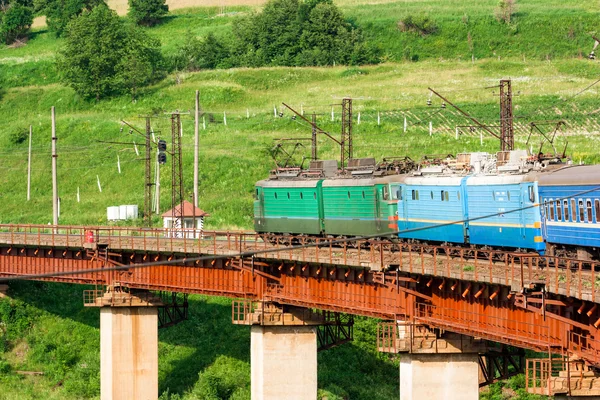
436,365
283,352
283,362
128,346
439,376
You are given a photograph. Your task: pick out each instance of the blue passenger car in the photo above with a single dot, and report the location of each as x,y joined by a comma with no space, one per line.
514,221
571,205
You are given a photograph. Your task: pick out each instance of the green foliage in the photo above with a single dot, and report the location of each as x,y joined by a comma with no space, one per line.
18,135
226,378
196,54
15,20
285,33
60,12
420,24
103,57
147,12
505,10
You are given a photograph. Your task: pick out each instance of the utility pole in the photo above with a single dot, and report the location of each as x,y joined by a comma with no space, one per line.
29,167
507,138
157,187
176,172
148,191
196,147
314,137
346,140
54,182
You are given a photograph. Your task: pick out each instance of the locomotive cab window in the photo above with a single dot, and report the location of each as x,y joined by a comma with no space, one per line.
386,193
531,194
256,194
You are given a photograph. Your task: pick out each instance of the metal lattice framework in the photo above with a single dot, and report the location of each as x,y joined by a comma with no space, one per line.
176,172
346,140
507,135
148,176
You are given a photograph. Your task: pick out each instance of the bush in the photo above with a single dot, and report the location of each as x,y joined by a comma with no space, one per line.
505,10
421,24
18,136
147,12
60,12
15,22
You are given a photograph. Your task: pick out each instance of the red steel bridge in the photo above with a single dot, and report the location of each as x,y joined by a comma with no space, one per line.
548,304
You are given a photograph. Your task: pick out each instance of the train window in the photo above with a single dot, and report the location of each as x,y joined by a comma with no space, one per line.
315,195
431,194
458,195
447,195
597,207
508,195
288,195
256,194
494,195
417,195
348,194
589,210
574,211
581,211
551,204
399,193
363,193
566,210
275,194
531,194
442,195
301,196
546,210
386,193
558,210
414,196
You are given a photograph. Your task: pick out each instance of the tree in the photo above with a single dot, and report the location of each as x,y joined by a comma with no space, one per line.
141,63
15,22
103,57
147,12
60,12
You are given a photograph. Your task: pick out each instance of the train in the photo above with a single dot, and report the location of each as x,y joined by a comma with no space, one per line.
509,200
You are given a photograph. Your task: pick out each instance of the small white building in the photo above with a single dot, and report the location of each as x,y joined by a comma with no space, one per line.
193,221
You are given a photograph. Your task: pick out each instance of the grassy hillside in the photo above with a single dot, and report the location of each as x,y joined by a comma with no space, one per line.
234,156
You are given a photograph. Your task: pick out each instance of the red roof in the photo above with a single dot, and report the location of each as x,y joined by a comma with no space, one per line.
189,210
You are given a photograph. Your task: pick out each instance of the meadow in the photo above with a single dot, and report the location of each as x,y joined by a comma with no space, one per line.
543,52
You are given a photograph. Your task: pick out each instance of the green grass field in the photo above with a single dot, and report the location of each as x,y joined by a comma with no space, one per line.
543,52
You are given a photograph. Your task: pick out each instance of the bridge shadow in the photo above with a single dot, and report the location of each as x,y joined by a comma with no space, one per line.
350,371
185,349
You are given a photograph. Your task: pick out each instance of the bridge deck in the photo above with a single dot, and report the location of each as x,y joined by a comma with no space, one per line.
475,292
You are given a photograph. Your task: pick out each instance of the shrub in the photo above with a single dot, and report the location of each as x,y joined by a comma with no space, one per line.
18,136
420,24
15,21
147,12
60,12
505,10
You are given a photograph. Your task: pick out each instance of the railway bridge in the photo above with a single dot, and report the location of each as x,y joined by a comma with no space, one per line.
460,316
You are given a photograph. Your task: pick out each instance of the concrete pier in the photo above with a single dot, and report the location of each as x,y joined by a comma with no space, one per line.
128,353
451,376
128,343
283,362
283,349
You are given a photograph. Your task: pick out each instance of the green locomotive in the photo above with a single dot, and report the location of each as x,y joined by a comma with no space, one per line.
319,202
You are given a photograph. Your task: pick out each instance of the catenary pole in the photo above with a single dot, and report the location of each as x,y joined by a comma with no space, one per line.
29,166
54,181
196,146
